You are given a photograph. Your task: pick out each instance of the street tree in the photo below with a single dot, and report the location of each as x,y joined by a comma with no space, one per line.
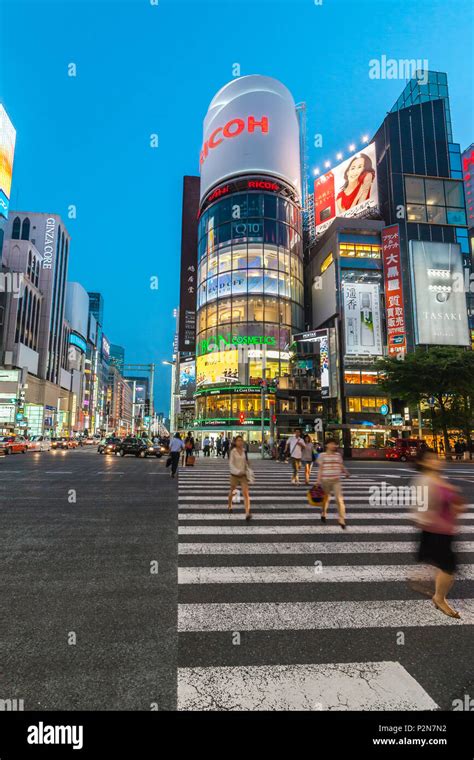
443,374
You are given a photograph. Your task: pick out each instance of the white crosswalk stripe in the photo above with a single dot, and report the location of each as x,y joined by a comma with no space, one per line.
287,572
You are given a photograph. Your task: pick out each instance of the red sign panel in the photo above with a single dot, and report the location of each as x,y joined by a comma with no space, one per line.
394,308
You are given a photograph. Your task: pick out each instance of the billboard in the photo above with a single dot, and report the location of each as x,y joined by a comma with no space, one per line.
394,307
187,379
438,294
362,324
349,190
188,279
7,150
218,367
251,126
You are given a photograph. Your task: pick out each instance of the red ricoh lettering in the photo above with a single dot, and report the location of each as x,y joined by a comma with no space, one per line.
233,128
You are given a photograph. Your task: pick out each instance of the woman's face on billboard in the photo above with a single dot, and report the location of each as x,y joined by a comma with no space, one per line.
355,169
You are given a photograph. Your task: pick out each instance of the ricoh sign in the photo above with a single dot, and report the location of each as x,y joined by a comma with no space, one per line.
251,127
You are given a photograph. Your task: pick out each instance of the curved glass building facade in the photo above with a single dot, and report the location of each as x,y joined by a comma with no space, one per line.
250,296
250,255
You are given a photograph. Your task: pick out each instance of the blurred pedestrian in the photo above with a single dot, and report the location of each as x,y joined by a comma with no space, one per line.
330,471
437,517
189,445
225,447
294,448
240,474
206,446
176,447
307,458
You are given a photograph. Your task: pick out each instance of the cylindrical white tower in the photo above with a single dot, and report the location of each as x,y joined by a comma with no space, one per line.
250,271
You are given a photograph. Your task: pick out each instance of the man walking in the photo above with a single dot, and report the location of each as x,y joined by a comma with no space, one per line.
206,446
176,447
225,447
294,447
330,470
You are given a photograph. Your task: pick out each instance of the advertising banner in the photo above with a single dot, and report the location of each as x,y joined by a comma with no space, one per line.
439,299
218,367
7,150
187,379
188,282
251,126
394,308
362,324
349,190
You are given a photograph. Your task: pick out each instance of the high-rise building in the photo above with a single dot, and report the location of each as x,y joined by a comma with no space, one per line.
117,357
390,250
249,255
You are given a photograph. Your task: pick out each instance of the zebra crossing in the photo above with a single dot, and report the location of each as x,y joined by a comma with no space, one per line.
285,613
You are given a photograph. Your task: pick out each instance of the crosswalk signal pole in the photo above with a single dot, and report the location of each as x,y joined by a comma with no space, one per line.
264,382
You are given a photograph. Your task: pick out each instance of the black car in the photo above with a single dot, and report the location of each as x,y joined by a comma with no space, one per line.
141,447
109,445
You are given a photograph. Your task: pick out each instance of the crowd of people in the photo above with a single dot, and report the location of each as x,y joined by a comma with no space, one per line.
436,519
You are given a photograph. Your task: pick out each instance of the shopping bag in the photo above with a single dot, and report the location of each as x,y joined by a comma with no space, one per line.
315,495
190,461
250,475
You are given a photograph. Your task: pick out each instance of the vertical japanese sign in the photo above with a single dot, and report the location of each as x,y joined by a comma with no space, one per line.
394,308
188,286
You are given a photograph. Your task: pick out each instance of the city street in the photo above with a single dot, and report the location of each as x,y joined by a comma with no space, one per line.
281,613
84,568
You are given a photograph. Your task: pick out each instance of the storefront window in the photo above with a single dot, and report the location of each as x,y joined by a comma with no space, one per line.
416,213
352,377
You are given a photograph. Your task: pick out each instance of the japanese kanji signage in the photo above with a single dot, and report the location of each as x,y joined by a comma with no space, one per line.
394,308
188,288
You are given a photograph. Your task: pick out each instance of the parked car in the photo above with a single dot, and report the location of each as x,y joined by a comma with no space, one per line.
39,443
13,444
109,445
140,447
405,449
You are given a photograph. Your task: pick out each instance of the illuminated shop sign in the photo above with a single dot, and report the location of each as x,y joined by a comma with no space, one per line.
235,389
439,298
241,185
218,367
394,308
230,422
76,340
210,344
233,128
322,338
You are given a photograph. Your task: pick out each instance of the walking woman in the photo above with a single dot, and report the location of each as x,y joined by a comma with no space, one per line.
307,458
330,470
239,472
437,518
189,445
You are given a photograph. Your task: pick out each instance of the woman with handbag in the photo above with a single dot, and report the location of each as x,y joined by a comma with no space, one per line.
240,474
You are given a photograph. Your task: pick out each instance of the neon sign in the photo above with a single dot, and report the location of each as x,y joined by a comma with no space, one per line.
209,344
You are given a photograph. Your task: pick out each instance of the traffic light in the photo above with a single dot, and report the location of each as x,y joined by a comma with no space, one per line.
241,418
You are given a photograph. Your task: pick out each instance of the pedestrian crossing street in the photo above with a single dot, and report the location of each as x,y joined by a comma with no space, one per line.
285,613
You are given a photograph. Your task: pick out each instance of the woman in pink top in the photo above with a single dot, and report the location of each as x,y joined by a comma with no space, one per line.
437,517
330,470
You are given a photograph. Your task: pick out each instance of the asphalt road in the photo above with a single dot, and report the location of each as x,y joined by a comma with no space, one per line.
88,565
240,618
